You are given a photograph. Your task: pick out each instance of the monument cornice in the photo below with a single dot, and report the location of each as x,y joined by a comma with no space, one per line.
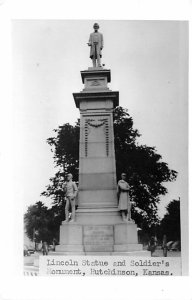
96,96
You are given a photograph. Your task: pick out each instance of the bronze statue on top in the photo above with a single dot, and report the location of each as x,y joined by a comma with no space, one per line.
96,44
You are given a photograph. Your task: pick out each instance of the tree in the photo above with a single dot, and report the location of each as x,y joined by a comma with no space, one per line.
146,172
66,159
170,224
41,223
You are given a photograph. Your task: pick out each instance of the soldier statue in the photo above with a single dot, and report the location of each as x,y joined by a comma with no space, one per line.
124,198
96,44
70,190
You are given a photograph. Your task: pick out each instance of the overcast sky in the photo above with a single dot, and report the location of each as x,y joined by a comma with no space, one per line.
148,62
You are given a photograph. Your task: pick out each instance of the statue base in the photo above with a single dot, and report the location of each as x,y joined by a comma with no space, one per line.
117,239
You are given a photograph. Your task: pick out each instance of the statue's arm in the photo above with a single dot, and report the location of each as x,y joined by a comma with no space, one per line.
128,187
65,187
75,189
90,40
118,191
102,42
122,186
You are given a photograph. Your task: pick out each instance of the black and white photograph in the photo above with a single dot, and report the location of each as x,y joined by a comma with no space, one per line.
95,150
101,108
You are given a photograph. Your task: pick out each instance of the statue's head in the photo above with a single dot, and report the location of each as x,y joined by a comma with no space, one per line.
123,176
96,26
69,176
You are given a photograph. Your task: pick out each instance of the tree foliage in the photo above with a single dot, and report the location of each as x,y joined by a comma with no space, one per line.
170,224
146,172
41,223
65,147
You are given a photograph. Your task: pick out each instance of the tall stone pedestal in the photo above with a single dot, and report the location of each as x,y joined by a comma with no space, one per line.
98,228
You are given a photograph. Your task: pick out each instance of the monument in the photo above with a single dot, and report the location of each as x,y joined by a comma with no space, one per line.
98,227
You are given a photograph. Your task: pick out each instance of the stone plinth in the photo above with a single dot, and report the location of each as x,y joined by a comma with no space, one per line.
98,239
71,234
125,233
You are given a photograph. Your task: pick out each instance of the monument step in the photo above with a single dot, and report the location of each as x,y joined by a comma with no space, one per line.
57,253
70,248
98,248
100,253
128,247
143,253
95,209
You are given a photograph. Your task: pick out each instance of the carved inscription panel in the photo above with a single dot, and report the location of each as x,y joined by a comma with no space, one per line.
98,235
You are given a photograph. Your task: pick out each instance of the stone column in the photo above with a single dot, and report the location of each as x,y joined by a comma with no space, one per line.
97,170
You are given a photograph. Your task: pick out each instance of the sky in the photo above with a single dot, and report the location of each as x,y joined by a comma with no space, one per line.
149,67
